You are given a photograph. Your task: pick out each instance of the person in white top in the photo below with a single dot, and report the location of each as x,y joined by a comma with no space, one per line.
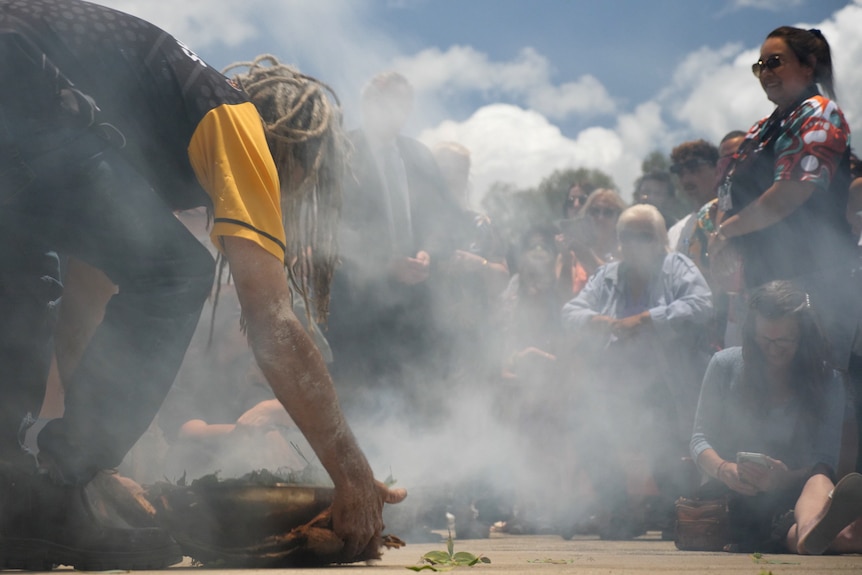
695,164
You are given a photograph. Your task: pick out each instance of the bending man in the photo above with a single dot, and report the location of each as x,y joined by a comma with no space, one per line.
108,126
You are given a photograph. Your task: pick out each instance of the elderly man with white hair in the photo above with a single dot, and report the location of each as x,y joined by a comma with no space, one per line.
640,330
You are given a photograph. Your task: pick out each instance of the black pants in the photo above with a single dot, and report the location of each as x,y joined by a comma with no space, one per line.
94,206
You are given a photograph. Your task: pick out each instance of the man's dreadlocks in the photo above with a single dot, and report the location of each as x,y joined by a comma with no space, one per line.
303,130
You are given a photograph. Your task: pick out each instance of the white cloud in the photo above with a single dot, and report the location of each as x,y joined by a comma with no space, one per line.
842,32
508,144
526,79
518,146
713,92
772,5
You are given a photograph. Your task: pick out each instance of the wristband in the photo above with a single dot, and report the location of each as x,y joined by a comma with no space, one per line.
718,471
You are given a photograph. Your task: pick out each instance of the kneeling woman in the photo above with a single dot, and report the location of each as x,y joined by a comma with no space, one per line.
776,396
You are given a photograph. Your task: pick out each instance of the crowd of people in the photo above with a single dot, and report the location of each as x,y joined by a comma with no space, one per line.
645,349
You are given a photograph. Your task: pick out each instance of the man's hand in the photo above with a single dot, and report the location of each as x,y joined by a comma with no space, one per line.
630,326
716,244
412,271
356,513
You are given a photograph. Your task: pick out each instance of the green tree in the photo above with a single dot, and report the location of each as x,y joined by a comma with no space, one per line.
514,210
656,161
555,187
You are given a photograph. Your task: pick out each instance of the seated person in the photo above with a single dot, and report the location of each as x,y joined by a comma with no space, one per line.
777,396
528,313
639,328
533,383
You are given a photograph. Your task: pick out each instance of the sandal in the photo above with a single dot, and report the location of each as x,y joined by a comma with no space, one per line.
845,507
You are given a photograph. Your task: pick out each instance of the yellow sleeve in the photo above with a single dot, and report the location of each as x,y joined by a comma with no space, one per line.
231,159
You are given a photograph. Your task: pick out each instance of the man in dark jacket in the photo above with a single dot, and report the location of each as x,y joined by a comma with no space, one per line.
395,223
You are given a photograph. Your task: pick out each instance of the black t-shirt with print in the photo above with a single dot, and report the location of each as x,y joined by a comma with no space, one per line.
148,85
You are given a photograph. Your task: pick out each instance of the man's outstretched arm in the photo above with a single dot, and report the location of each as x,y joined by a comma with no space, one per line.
297,374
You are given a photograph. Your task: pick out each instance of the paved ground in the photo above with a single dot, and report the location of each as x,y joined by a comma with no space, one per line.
588,556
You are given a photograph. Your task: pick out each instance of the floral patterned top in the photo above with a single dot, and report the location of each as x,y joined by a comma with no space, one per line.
807,142
811,142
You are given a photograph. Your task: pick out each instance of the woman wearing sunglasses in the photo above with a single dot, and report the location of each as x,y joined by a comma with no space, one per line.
588,240
783,196
602,210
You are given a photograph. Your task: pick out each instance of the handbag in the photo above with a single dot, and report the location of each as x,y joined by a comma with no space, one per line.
702,524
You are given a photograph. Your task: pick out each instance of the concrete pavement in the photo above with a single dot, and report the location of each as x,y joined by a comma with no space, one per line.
544,554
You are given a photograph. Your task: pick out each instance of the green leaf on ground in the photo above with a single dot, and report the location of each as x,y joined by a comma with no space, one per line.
447,560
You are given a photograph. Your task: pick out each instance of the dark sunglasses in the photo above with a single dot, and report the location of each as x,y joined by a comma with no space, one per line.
570,202
604,212
770,63
689,166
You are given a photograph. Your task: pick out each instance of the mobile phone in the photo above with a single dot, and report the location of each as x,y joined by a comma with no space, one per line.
749,457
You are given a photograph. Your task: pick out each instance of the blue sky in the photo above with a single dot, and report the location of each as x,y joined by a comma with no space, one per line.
531,86
631,46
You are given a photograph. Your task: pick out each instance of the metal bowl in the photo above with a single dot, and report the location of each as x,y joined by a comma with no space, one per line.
236,516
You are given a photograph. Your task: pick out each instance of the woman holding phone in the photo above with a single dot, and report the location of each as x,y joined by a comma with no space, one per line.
768,432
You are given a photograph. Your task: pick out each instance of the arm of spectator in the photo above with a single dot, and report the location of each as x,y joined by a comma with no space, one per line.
199,429
528,359
709,419
580,311
779,201
412,271
494,273
266,414
692,299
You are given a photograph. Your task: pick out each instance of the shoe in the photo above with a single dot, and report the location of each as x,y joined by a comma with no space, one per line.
845,506
43,524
